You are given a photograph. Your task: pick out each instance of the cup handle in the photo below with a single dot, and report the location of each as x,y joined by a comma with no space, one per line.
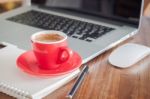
65,54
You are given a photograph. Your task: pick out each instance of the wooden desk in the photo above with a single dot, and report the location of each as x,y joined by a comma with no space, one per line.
6,5
107,82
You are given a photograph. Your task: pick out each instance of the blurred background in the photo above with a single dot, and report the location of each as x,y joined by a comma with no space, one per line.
147,7
6,5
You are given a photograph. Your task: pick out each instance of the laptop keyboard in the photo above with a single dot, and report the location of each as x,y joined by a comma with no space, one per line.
73,28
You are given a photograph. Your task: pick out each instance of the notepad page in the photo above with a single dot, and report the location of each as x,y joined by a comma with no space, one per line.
35,87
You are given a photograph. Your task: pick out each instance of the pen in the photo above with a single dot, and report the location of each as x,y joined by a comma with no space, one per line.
78,82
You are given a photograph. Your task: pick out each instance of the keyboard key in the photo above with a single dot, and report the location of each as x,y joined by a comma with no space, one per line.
88,40
75,36
71,27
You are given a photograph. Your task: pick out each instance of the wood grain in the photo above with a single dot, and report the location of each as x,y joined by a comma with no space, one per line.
105,81
108,82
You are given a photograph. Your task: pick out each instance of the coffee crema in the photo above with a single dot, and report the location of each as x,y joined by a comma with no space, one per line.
49,37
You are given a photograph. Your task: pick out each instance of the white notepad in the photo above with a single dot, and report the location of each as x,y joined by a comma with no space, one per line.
18,84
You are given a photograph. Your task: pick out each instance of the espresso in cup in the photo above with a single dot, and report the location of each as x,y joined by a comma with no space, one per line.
51,49
52,37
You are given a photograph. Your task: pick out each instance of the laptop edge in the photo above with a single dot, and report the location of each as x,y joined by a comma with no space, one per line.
19,34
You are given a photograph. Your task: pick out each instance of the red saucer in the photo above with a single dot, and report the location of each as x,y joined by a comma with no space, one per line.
28,63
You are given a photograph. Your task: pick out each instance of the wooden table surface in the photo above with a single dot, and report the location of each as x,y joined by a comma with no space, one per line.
105,81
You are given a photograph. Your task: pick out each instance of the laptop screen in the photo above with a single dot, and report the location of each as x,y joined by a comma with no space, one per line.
122,10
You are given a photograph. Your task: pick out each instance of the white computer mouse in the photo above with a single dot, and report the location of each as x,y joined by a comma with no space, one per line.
128,54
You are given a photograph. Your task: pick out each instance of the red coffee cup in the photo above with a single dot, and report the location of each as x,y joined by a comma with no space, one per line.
50,48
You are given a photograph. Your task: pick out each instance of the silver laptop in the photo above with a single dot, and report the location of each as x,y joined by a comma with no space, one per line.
93,26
